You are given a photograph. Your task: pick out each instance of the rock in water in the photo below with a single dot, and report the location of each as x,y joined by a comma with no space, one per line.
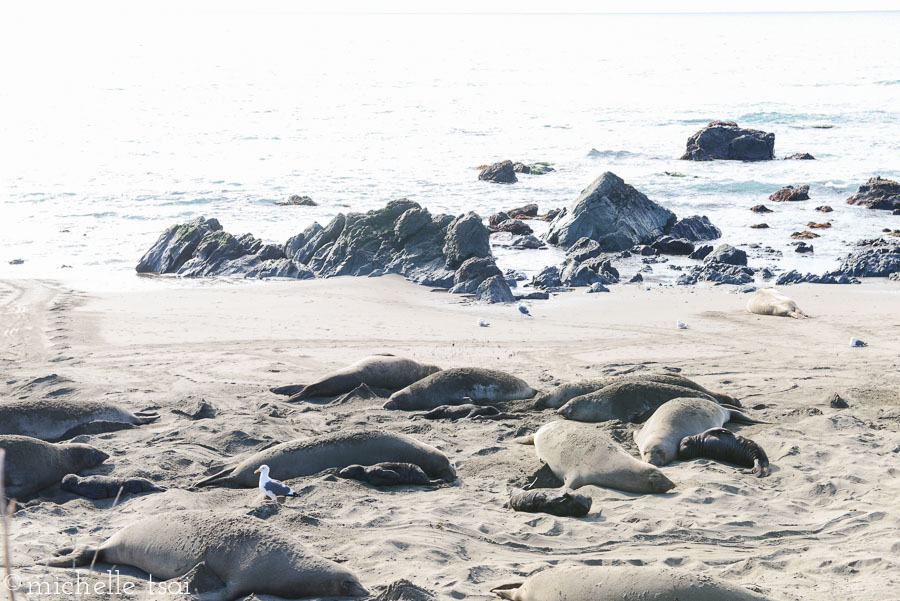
791,193
726,141
877,193
612,213
176,246
800,156
499,173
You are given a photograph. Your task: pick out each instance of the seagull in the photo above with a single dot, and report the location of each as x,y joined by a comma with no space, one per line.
858,342
681,325
482,322
273,488
524,310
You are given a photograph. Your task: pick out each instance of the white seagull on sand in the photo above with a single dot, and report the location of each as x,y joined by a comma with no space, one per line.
680,325
272,488
523,309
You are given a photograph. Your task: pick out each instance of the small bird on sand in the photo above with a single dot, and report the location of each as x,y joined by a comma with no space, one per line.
857,342
523,309
482,322
272,488
681,325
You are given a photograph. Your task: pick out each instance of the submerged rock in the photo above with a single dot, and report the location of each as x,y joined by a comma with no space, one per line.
800,156
539,168
877,193
824,209
499,173
791,193
297,200
761,209
726,141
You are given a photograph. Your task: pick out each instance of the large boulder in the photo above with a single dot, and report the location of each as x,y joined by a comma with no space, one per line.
878,193
612,213
790,194
494,290
472,273
696,228
727,254
176,246
466,237
499,173
667,245
724,140
514,226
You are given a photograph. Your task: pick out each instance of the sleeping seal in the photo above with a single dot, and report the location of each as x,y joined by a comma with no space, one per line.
378,371
630,401
618,583
308,456
723,445
453,386
32,465
389,474
582,454
55,419
562,394
769,301
107,487
562,502
246,554
658,439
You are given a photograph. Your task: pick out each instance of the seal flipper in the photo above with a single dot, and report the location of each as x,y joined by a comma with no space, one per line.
225,477
507,591
70,557
737,416
289,390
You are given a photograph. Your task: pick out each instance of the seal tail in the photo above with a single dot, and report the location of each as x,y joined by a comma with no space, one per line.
798,314
737,416
223,477
70,557
524,439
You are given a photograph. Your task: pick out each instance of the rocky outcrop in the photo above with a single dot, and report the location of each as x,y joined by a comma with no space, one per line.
759,226
800,156
877,193
513,226
528,211
499,173
494,290
724,265
876,258
548,278
727,254
297,200
803,248
824,209
539,168
761,209
472,273
724,140
176,246
612,213
701,253
795,277
667,245
790,194
695,228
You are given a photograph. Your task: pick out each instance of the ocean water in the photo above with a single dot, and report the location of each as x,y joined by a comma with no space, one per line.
114,128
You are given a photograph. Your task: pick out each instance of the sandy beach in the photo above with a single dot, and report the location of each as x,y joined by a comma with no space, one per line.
824,526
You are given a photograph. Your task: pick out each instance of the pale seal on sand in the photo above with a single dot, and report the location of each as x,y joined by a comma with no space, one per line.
768,301
107,487
562,394
308,456
378,371
723,445
454,386
629,401
658,439
561,502
615,583
582,454
244,553
389,474
32,465
56,419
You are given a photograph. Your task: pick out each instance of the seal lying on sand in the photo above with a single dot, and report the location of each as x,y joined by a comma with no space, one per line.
615,583
243,552
56,419
389,474
562,394
555,501
769,301
468,410
378,371
304,457
723,445
107,487
658,439
32,465
631,401
582,454
456,386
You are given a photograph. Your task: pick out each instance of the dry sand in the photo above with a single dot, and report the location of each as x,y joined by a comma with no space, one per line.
824,526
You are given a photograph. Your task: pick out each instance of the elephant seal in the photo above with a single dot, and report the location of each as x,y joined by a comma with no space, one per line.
768,301
55,419
658,439
378,371
107,487
244,553
582,454
617,583
562,394
724,445
562,502
308,456
630,401
389,474
32,465
454,386
468,410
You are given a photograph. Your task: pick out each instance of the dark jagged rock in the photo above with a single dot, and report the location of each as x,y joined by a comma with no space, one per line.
297,200
575,275
466,237
701,253
695,228
499,173
472,273
613,213
176,246
800,156
760,226
876,258
514,226
547,278
536,295
636,278
761,209
824,209
549,215
497,218
836,402
539,168
725,253
528,211
877,193
527,242
720,273
494,290
790,194
668,245
726,141
804,235
803,247
583,249
795,277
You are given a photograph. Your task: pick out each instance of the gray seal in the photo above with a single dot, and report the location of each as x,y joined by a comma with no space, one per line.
55,419
659,438
581,454
623,583
242,554
32,465
107,487
723,445
631,401
389,474
769,301
560,395
378,371
561,502
308,456
459,385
